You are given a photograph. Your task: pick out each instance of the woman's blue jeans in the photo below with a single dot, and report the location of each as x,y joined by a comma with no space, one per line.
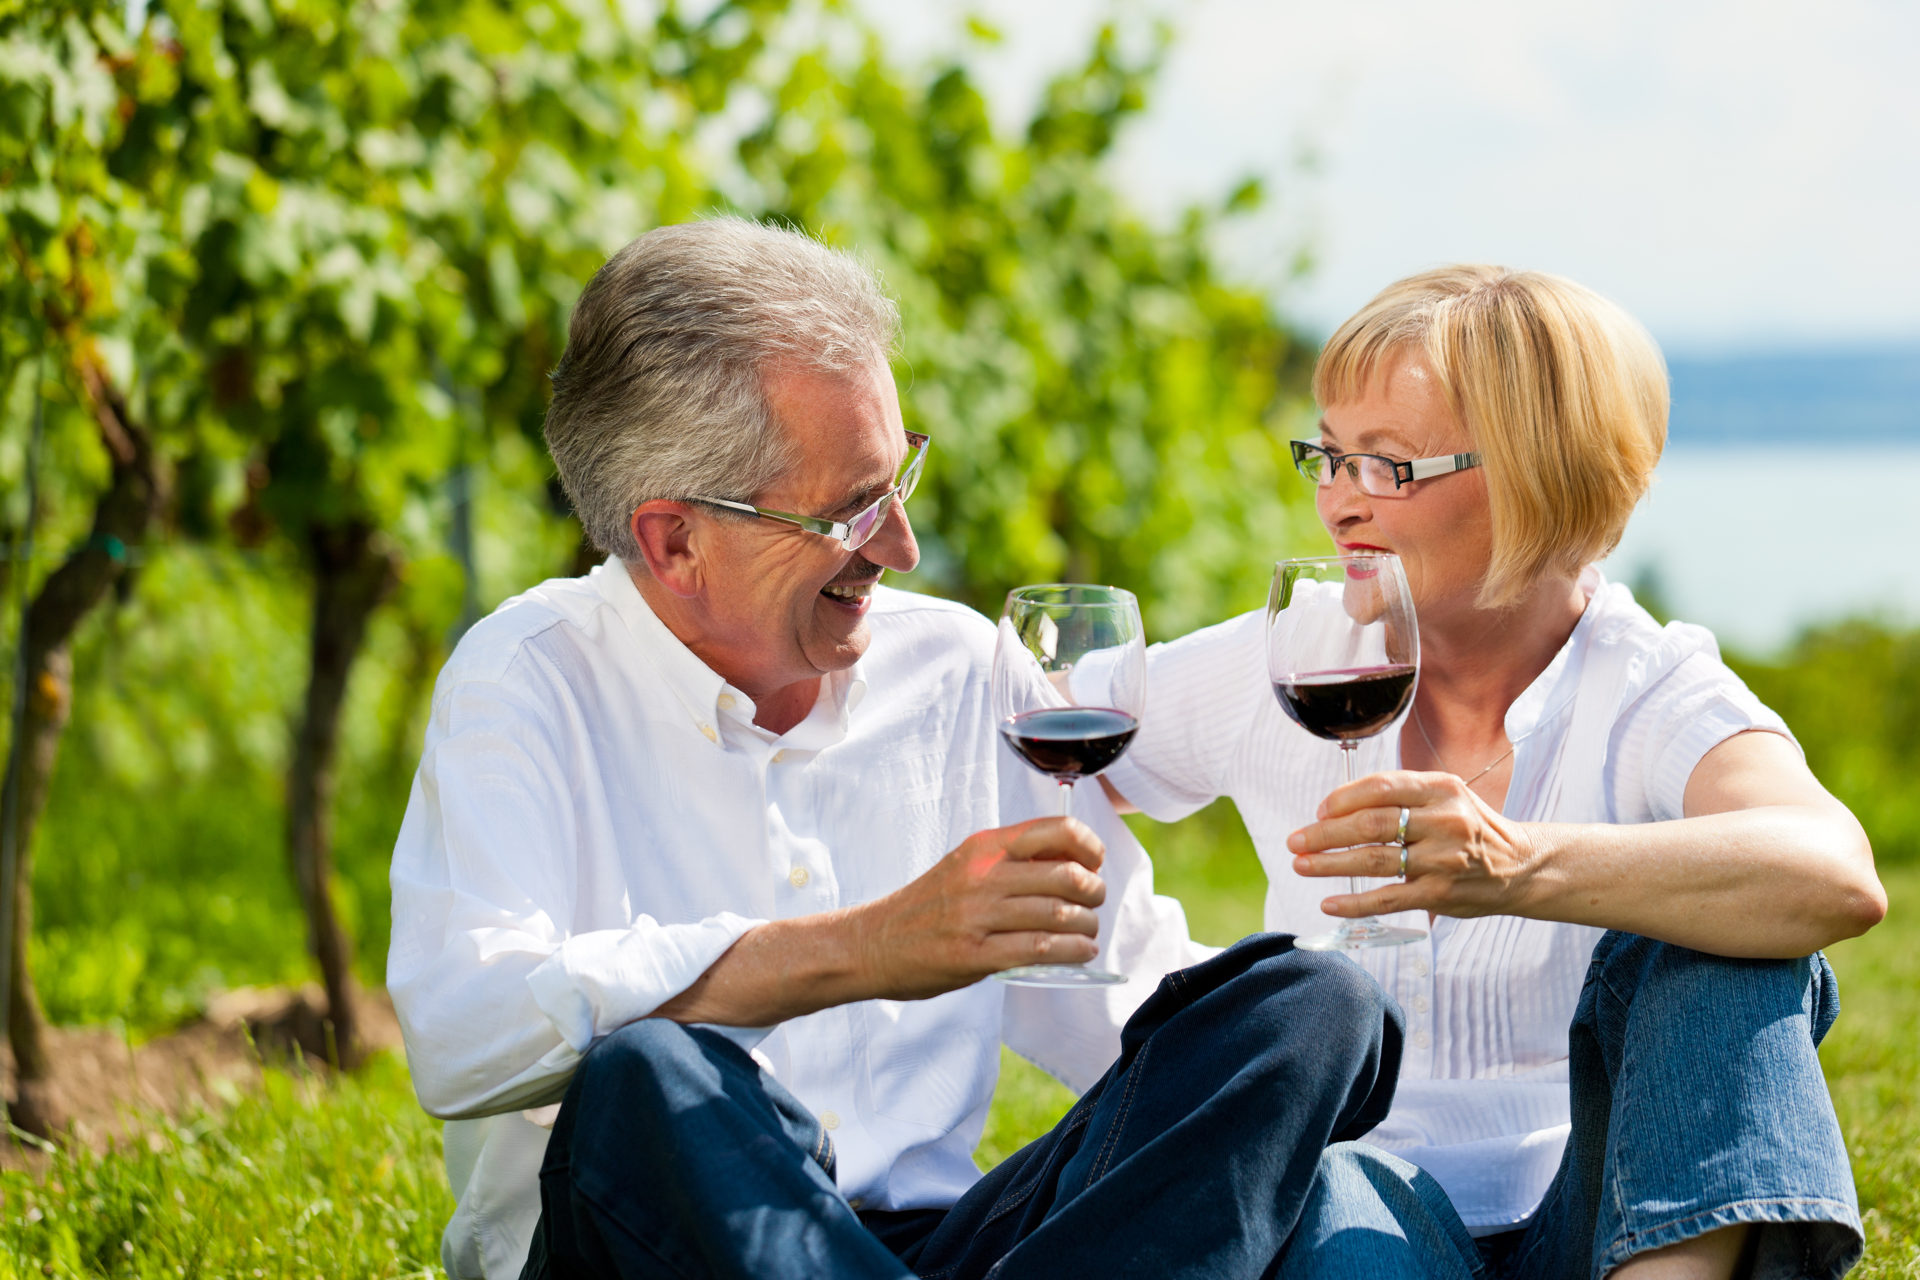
675,1155
1698,1103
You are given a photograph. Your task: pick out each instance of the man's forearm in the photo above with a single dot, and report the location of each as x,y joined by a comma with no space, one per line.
779,970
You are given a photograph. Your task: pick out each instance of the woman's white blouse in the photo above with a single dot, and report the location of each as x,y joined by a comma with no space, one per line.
1609,732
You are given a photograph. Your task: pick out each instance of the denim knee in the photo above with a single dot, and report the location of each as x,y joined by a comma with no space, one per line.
650,1053
1373,1214
1351,1011
1627,966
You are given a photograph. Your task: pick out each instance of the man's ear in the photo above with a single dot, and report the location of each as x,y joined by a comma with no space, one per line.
665,531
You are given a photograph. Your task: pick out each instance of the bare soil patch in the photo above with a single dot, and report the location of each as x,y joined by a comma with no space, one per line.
111,1090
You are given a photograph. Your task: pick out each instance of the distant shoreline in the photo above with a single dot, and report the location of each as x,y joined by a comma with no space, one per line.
1855,395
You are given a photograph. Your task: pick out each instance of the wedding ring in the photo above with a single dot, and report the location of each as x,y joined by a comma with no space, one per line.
1403,862
1400,838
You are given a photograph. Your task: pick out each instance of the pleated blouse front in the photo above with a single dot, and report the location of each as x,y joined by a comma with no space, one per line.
1609,732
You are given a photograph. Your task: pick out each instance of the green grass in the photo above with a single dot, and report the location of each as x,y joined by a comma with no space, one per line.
299,1180
1872,1060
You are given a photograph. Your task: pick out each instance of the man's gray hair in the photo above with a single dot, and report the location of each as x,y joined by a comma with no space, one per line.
660,393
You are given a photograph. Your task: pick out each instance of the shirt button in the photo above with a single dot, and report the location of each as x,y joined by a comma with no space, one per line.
829,1119
726,702
711,735
1422,1039
856,1203
1419,1004
798,878
1420,968
780,757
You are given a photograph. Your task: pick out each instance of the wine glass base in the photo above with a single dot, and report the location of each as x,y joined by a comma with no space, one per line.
1358,937
1058,975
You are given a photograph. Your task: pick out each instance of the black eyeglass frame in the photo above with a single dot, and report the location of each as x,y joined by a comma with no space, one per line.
1404,473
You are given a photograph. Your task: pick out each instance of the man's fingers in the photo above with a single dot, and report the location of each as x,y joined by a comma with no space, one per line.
1006,950
1055,838
1051,878
1044,915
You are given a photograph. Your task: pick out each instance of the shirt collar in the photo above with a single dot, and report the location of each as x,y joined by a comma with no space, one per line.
701,690
1550,693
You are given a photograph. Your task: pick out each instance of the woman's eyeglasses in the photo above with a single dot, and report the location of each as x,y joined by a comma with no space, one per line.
1377,475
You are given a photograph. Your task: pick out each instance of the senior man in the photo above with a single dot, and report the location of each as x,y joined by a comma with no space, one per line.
709,847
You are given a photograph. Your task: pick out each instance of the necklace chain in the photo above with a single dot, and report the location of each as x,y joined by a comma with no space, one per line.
1421,725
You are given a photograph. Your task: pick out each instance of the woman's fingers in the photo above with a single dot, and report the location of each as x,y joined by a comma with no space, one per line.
1368,826
1377,861
1395,789
1375,902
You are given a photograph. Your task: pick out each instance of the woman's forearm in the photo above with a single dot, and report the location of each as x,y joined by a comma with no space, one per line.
1765,863
1771,881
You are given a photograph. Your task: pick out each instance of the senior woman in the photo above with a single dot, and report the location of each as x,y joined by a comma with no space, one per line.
1626,866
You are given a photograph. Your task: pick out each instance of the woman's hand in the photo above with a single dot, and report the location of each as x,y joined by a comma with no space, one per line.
1462,857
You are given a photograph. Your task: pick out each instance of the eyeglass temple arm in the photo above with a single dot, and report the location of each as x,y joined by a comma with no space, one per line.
831,528
1427,468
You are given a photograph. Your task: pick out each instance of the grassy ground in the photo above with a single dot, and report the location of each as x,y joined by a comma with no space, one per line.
346,1181
1872,1058
299,1180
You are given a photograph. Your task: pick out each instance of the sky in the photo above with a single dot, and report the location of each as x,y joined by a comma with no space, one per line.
1739,174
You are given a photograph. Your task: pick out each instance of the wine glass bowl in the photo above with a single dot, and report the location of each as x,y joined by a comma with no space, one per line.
1343,654
1069,687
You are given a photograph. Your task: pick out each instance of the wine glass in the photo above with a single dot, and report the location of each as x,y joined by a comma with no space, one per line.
1069,686
1343,653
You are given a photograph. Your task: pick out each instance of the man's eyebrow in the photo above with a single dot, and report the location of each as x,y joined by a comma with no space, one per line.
860,496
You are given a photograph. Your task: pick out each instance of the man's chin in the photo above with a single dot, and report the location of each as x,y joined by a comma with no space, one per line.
842,640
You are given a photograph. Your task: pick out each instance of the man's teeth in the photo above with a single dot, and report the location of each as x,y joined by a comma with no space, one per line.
849,591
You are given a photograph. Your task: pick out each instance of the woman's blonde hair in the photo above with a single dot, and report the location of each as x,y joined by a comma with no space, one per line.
1563,393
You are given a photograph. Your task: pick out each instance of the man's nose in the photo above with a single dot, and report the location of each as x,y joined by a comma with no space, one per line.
892,545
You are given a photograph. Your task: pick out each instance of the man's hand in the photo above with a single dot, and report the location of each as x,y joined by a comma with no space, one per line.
1009,896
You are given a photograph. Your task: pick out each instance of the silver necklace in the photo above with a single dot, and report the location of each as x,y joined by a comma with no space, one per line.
1421,725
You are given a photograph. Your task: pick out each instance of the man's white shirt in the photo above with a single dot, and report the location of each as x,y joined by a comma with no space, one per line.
596,819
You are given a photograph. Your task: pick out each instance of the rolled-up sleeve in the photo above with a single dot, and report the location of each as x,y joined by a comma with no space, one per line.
497,994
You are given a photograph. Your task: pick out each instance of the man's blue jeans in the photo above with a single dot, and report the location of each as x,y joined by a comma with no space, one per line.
674,1155
1698,1103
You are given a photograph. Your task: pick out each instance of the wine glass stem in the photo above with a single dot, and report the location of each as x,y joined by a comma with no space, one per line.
1066,799
1348,751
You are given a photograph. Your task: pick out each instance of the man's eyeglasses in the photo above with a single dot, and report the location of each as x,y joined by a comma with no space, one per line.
855,531
1378,476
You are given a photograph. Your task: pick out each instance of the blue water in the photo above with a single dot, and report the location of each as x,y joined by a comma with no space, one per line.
1789,494
1797,398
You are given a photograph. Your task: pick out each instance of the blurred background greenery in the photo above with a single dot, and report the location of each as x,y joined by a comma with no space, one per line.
319,257
282,282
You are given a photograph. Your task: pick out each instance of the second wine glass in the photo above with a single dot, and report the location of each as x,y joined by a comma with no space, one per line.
1069,687
1343,652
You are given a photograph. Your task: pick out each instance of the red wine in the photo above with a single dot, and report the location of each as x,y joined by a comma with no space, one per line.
1069,743
1343,705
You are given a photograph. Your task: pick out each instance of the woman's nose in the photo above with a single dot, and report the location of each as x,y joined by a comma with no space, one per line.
1342,501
